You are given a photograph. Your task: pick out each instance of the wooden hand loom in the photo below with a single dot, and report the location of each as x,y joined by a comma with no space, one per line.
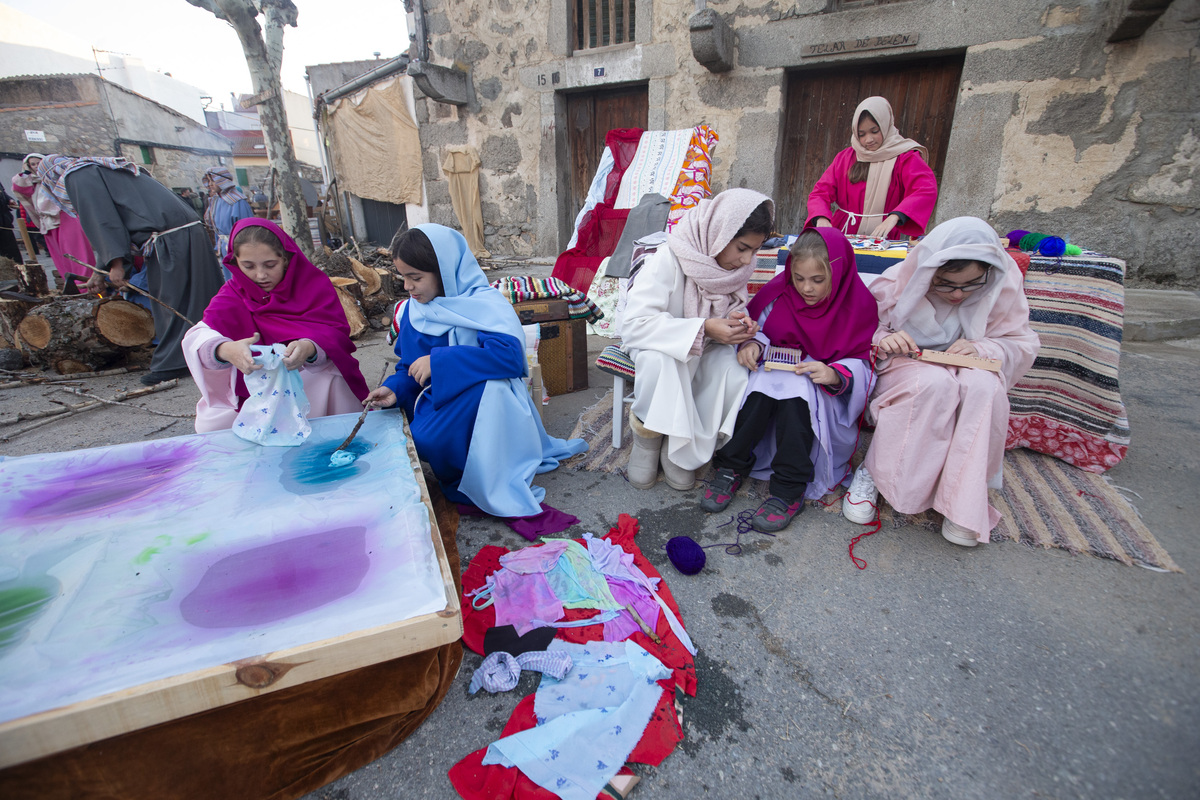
782,358
956,360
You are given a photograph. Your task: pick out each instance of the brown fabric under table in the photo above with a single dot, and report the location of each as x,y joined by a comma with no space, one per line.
277,746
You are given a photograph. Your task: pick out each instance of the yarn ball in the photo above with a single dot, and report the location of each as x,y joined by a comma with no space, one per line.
1029,241
1074,250
1052,247
687,556
1014,237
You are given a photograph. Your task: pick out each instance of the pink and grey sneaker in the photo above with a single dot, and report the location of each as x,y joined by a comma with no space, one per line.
775,514
720,491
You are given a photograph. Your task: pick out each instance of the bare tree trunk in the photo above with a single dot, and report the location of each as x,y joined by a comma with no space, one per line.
264,55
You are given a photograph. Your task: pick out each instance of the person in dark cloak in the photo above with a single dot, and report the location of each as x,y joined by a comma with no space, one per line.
124,210
8,239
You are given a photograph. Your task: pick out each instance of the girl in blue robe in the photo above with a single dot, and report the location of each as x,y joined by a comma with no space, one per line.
226,205
460,379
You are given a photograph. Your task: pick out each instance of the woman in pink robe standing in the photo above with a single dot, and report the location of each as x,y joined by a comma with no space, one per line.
63,233
880,184
940,431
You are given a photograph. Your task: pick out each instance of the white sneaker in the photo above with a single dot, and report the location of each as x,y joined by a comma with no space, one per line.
956,534
859,503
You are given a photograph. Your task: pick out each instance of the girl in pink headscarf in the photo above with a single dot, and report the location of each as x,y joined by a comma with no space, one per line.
880,185
819,306
275,296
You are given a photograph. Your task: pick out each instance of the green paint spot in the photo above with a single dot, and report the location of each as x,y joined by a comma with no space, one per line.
145,556
19,606
197,538
163,539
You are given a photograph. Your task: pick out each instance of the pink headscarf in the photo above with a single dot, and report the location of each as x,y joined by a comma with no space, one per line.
303,306
840,326
709,290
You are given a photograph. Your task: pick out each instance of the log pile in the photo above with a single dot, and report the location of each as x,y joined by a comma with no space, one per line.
83,333
367,286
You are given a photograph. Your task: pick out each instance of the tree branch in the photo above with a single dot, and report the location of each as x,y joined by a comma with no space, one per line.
209,5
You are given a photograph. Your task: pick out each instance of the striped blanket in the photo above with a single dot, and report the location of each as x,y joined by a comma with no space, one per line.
520,288
1069,403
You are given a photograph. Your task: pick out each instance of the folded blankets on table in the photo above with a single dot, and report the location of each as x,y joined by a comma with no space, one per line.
520,289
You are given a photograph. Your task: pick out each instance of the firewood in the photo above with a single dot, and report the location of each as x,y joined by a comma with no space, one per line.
84,333
370,280
349,293
32,279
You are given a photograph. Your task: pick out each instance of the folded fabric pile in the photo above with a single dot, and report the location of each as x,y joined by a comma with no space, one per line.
520,289
601,606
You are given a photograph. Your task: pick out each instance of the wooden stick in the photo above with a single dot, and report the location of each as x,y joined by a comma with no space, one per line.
72,410
956,360
106,401
74,377
24,230
654,637
361,417
142,292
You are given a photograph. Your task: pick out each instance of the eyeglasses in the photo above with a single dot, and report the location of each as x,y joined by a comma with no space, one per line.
946,288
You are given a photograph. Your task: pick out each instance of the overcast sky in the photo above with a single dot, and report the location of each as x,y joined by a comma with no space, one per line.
194,46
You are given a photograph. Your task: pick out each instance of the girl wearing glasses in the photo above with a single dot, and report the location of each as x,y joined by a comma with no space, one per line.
940,431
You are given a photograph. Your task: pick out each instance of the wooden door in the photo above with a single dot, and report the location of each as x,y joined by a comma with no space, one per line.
818,110
590,116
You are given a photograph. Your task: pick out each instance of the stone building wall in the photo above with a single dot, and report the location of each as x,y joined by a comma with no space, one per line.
1055,128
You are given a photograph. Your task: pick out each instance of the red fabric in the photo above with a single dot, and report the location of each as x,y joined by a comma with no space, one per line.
913,192
840,326
601,227
303,306
474,781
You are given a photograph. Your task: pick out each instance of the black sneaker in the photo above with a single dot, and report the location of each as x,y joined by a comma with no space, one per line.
153,378
720,491
775,514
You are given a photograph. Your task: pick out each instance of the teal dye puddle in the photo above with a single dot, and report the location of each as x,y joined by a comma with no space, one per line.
307,469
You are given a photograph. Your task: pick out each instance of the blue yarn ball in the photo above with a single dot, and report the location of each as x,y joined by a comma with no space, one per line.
1052,247
687,556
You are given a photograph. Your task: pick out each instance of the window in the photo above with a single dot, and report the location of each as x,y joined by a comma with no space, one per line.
242,178
602,23
147,155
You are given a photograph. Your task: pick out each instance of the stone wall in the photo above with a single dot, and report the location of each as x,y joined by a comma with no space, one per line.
1055,129
70,112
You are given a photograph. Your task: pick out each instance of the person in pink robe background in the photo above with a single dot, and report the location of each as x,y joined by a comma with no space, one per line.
63,234
940,431
879,186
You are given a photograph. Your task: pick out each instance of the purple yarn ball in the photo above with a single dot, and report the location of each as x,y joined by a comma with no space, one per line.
687,556
1014,237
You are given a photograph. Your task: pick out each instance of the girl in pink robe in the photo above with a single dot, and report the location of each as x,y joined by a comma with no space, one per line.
880,184
940,431
63,234
301,309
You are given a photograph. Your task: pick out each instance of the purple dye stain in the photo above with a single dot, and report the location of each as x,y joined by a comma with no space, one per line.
279,580
101,486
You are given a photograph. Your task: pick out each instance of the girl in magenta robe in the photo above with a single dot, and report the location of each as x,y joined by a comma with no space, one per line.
880,185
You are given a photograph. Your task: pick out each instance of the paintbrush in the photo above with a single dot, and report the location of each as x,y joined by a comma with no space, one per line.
361,419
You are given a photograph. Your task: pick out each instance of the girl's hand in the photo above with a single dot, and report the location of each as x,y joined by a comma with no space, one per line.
382,397
237,352
884,228
962,348
896,344
421,370
298,352
822,223
745,319
748,356
821,374
728,331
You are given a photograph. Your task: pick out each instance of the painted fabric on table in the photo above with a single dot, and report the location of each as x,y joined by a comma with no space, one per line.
589,722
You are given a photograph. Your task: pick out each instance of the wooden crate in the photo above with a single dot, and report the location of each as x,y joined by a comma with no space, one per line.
562,352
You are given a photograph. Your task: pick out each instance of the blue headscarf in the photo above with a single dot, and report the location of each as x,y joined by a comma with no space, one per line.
509,444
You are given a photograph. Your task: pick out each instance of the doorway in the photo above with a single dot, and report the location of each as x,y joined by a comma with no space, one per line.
819,105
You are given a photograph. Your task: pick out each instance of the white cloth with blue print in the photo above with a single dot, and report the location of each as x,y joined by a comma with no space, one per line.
276,412
589,722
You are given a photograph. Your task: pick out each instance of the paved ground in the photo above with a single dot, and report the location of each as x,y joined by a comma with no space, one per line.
935,672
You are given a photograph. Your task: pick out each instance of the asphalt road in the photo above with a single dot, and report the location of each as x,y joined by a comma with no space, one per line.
935,672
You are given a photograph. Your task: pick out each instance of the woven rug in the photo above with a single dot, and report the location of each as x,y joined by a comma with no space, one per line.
1044,503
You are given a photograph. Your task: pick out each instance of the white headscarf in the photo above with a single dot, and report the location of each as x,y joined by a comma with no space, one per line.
903,290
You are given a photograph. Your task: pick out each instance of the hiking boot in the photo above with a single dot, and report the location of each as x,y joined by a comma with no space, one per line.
775,514
642,469
720,491
956,534
859,504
